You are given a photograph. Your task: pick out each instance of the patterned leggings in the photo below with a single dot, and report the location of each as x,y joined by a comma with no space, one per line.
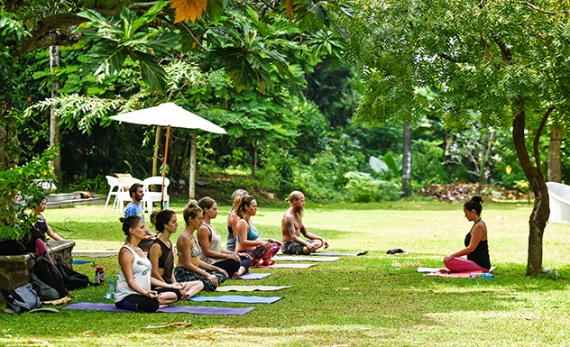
182,274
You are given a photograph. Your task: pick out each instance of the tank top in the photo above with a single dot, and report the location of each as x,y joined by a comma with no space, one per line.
166,260
215,245
481,253
141,272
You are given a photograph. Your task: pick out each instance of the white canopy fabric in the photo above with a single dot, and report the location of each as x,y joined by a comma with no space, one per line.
169,114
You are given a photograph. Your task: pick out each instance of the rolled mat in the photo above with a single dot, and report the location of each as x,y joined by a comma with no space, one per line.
242,299
250,288
97,306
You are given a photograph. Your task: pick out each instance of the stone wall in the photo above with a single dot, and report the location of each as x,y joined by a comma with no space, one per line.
15,269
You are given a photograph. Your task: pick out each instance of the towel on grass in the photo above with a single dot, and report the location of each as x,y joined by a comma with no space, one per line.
250,288
456,274
303,258
97,306
242,299
251,276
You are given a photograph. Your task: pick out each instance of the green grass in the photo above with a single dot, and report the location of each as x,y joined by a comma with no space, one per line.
373,300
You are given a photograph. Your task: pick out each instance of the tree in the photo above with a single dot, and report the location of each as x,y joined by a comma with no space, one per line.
502,60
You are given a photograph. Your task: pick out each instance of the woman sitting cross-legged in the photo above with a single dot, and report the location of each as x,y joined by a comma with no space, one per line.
476,246
247,237
211,242
161,254
189,266
134,285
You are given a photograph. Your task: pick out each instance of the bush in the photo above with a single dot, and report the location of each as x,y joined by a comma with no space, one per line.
361,187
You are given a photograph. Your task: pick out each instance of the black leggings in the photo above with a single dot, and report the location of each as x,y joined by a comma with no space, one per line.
231,266
139,303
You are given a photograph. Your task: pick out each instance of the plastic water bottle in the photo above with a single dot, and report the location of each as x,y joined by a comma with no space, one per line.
487,276
111,290
475,275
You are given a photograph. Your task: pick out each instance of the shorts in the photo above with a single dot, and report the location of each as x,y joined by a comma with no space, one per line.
293,247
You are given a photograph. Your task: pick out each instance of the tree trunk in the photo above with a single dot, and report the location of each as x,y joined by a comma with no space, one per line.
8,137
407,161
541,210
155,152
254,169
54,127
192,174
554,162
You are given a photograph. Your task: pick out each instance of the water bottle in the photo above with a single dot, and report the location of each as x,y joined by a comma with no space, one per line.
111,290
487,276
475,275
99,275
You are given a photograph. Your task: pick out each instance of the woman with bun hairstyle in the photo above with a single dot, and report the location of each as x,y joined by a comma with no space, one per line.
134,291
189,266
211,242
161,254
260,249
476,246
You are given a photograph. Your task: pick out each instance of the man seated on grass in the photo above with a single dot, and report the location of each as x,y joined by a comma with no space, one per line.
292,227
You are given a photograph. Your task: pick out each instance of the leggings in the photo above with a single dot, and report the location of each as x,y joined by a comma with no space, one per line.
138,303
463,265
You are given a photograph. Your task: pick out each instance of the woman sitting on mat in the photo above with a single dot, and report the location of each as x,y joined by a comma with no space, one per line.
476,247
211,242
232,221
134,285
161,254
189,266
247,237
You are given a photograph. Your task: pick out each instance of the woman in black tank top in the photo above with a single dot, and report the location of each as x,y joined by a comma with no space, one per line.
476,246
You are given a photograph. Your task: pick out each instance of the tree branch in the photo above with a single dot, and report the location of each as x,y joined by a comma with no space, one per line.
537,137
538,9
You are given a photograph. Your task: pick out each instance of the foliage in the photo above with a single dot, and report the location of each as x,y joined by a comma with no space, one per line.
22,190
362,187
428,159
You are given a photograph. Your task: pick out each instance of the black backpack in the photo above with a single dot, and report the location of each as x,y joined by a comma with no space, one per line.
73,279
48,273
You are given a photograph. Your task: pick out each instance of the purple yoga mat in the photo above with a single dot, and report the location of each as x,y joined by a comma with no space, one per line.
98,306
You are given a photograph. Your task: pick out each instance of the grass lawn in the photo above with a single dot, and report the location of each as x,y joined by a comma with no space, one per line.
372,300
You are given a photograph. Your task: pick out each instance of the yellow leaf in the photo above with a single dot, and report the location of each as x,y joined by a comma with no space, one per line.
289,9
188,9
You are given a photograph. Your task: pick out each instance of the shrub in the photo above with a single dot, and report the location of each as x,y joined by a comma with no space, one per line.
361,187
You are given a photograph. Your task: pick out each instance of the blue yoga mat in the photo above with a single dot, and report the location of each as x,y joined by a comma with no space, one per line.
97,306
257,276
242,299
79,262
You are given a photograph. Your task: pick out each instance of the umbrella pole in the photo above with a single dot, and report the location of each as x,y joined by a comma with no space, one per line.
164,167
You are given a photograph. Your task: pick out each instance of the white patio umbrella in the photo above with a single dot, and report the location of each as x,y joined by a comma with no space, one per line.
170,115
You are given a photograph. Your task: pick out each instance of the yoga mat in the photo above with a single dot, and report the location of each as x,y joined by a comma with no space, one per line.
428,269
288,266
242,299
96,306
304,258
257,276
456,274
250,288
79,262
338,254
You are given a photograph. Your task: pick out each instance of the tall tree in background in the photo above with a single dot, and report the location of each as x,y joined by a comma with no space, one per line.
503,60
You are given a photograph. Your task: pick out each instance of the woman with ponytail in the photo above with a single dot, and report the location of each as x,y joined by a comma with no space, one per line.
161,254
476,246
260,249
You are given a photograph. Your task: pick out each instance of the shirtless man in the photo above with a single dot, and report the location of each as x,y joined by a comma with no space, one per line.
292,227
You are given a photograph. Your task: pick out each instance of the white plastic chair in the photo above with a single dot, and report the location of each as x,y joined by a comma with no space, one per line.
113,184
559,199
155,196
123,194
